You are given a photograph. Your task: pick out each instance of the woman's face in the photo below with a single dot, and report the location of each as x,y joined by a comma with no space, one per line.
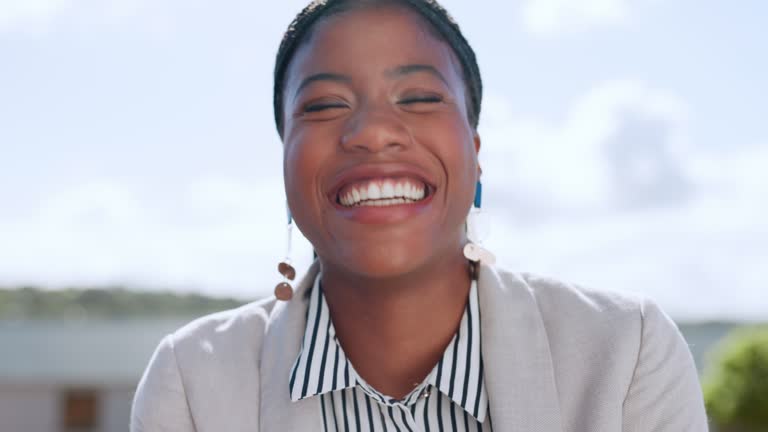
380,160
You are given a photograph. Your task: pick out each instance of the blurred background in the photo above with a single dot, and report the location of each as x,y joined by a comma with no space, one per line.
624,148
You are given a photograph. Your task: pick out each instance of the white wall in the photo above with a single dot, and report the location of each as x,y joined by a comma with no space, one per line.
116,409
34,409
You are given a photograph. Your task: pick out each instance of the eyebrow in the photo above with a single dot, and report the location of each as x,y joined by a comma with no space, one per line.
397,72
323,76
416,68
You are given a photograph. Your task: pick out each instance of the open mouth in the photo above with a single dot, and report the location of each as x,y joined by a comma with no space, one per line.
382,192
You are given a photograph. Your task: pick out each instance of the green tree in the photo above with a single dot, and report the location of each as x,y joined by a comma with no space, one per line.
736,385
106,303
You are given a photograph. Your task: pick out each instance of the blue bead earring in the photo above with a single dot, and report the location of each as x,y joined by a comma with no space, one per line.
478,195
284,290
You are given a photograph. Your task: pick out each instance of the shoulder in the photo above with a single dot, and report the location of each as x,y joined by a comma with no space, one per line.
553,292
571,306
597,317
586,314
587,327
215,354
622,347
224,333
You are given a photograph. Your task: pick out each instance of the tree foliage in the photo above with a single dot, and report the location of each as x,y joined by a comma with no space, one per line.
105,303
736,386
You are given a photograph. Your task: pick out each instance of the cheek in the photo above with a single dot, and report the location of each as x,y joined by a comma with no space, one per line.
303,160
298,169
452,142
456,150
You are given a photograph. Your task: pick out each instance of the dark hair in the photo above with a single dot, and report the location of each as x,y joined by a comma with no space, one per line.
443,25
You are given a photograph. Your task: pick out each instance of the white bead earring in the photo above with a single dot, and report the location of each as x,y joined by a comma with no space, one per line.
473,250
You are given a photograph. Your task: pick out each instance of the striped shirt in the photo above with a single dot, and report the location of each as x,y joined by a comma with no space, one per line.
452,397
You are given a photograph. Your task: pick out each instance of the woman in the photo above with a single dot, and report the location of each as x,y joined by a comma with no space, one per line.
402,323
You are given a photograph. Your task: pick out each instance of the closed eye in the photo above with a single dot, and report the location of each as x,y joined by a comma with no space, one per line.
322,107
420,99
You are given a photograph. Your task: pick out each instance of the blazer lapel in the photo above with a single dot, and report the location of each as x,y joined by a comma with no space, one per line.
519,375
280,348
517,360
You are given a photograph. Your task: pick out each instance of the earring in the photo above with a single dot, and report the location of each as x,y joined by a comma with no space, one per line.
472,223
284,290
473,251
478,195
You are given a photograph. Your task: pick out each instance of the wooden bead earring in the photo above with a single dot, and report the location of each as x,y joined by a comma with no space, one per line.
284,290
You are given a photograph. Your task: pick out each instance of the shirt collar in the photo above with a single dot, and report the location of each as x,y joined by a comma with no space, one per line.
322,367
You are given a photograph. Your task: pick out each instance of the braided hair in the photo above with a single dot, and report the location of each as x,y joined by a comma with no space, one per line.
443,26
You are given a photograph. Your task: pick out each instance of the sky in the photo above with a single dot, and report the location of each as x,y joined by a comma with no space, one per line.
623,146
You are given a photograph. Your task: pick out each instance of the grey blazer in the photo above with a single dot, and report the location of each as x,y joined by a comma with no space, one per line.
557,357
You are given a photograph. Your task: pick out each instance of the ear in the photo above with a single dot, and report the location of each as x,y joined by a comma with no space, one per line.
476,140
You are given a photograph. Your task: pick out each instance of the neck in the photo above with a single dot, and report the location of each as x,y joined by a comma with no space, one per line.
395,330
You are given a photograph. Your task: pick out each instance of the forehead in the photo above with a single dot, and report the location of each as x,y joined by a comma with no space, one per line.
366,42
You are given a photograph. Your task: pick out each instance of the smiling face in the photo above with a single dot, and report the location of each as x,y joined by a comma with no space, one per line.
380,159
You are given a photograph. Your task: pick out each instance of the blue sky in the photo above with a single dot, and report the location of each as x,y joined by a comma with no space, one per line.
624,145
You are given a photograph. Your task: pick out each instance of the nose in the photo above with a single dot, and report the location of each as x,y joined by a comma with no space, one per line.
375,130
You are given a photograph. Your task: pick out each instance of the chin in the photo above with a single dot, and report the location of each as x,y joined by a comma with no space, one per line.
386,261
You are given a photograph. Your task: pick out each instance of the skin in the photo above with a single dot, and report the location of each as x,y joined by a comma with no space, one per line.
397,288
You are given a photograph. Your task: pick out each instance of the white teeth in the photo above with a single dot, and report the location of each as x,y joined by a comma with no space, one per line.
374,192
383,193
387,190
384,203
399,189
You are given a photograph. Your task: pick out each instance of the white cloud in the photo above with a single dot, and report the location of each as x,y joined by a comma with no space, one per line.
733,175
552,168
30,14
223,236
34,17
558,199
549,17
703,260
96,204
